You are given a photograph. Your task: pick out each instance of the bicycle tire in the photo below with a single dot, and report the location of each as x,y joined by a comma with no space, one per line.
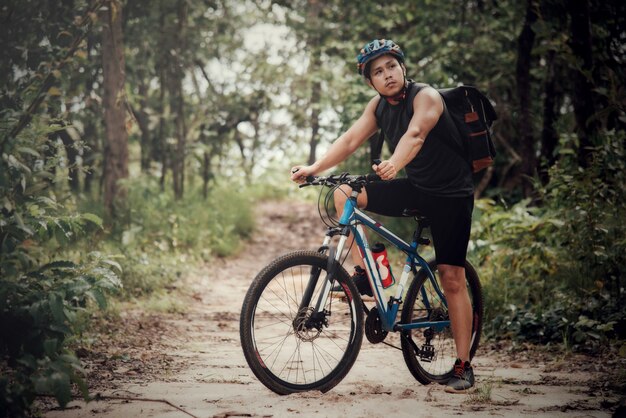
281,355
440,368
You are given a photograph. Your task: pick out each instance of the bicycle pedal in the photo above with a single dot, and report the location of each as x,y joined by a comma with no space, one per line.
427,353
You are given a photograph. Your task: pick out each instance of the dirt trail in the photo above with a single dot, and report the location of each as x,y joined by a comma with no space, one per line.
194,360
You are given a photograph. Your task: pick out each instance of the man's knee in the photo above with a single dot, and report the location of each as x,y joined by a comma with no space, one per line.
341,194
452,278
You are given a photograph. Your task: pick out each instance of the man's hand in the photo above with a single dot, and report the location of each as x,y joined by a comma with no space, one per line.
299,173
386,170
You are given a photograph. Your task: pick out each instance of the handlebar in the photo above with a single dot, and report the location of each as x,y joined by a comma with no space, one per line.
337,179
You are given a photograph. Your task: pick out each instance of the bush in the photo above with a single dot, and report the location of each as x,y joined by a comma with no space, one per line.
159,239
40,313
42,290
554,273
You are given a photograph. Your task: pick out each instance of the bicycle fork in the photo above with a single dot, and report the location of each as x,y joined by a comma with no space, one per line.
318,313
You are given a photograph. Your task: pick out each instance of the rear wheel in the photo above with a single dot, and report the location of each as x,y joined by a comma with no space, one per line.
436,351
293,348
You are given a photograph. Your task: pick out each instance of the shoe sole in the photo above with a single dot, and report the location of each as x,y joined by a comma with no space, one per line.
449,389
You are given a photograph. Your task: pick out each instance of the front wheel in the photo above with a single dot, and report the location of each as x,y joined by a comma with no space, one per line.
291,346
430,352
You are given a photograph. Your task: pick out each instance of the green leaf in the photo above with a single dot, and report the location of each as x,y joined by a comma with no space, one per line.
56,307
108,279
50,347
98,296
29,361
94,219
62,328
42,384
60,383
21,225
114,264
27,150
59,264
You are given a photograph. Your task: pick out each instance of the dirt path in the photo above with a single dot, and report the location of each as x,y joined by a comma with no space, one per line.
194,360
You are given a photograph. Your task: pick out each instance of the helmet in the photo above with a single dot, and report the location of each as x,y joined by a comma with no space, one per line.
375,49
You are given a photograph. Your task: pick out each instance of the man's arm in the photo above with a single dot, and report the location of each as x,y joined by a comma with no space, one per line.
345,145
427,108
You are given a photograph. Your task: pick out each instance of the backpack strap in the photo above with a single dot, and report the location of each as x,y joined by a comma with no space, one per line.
376,141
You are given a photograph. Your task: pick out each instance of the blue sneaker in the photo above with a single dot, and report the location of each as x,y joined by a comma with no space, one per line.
463,379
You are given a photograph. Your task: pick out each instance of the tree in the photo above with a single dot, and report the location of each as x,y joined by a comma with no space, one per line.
116,148
525,123
582,97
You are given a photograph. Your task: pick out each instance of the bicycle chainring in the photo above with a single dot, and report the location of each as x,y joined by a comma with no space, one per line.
374,327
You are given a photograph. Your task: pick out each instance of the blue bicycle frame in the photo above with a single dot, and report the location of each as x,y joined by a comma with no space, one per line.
352,220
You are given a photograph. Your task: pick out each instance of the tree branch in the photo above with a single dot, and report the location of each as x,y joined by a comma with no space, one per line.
26,117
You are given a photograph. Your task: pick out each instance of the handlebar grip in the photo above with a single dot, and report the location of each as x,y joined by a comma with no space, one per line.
377,161
372,177
310,179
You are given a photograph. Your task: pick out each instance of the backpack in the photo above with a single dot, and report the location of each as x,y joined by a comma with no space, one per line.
473,116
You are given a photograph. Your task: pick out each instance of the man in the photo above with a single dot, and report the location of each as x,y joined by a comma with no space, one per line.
438,184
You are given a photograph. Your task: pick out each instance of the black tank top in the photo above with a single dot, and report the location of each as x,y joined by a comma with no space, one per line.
437,169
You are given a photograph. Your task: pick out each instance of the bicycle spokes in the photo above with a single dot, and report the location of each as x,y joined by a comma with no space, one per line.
297,345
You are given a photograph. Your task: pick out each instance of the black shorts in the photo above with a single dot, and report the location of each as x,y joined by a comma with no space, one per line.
450,217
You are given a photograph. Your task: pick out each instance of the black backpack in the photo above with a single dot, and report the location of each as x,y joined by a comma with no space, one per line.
473,116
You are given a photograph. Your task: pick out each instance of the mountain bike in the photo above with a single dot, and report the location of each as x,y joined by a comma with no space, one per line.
301,324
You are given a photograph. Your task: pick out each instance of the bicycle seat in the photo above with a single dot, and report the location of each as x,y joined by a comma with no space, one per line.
414,213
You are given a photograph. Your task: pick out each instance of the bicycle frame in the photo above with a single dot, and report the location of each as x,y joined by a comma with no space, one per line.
352,220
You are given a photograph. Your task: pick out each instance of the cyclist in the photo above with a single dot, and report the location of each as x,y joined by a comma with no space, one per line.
438,183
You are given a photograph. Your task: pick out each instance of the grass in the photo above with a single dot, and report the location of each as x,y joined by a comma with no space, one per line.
163,302
482,394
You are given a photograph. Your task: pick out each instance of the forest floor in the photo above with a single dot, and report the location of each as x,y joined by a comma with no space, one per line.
190,363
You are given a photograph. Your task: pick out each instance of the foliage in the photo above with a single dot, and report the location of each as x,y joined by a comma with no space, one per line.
555,272
591,203
41,293
40,312
160,239
246,107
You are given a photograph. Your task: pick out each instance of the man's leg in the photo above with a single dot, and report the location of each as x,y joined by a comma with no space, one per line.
460,311
459,307
341,195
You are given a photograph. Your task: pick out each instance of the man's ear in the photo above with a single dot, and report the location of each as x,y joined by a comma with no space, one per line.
403,68
369,82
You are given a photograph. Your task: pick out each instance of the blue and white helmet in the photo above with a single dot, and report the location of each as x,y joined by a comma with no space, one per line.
375,49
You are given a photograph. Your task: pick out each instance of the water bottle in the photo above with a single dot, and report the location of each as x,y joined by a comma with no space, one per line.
382,262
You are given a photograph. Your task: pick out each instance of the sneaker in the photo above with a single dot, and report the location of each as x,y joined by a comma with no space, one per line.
360,280
463,379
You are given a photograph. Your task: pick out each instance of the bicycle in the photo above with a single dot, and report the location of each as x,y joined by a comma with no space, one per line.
300,333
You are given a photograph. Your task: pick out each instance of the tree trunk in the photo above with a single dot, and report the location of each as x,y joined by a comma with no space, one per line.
90,132
72,159
313,13
143,122
177,103
551,104
116,149
525,122
89,153
315,112
582,97
160,146
206,174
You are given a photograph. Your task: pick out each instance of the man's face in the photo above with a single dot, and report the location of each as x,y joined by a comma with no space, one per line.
386,75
